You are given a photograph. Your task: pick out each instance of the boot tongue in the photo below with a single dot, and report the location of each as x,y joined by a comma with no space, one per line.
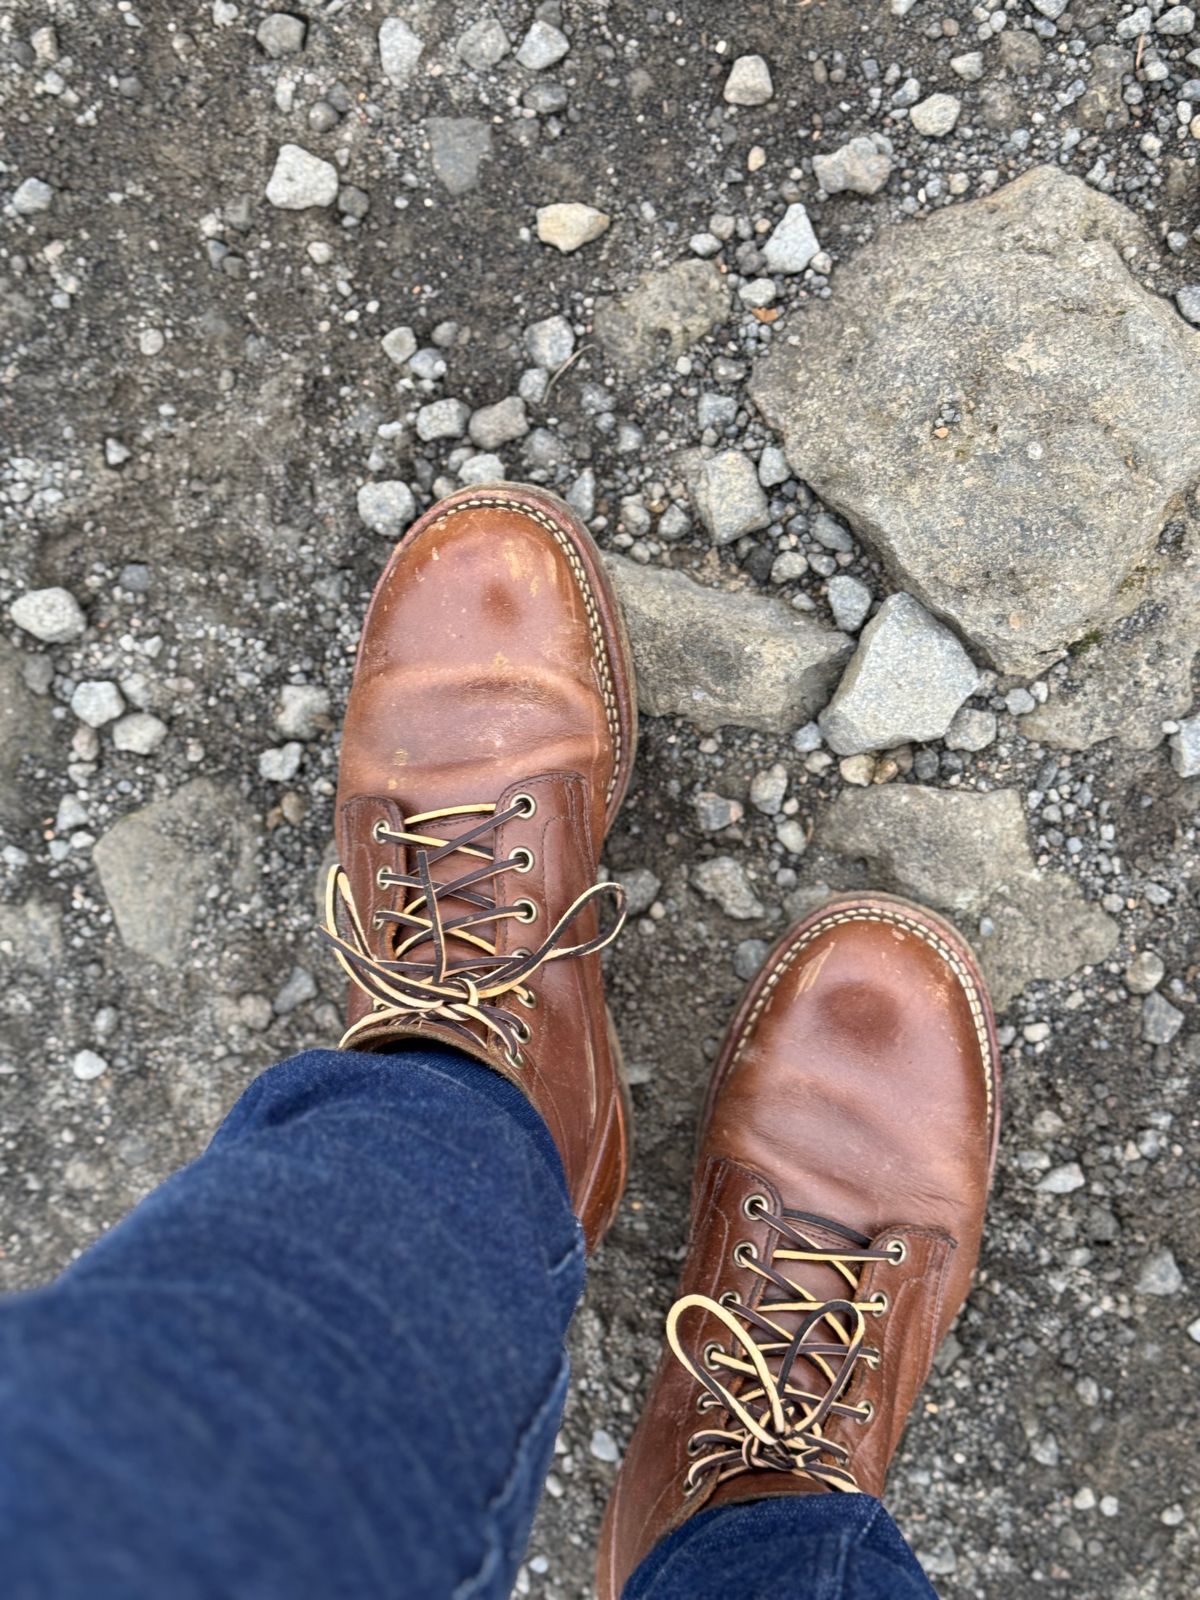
814,1280
452,865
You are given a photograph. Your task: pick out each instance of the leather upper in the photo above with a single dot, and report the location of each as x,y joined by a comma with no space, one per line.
492,666
857,1083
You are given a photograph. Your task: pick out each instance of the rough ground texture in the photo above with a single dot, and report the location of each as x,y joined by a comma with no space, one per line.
195,389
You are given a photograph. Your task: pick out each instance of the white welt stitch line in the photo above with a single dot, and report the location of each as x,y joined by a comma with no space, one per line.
931,938
608,689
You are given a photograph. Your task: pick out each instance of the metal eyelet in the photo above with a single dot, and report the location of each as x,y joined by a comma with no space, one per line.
710,1349
525,861
690,1487
383,878
522,1030
880,1304
866,1412
380,822
730,1298
744,1253
525,804
694,1445
898,1251
870,1355
754,1206
514,1059
528,999
526,910
705,1401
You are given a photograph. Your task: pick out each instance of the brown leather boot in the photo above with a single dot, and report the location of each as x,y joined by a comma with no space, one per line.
488,745
844,1163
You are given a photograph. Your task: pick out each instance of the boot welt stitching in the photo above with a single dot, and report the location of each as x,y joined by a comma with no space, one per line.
608,691
931,938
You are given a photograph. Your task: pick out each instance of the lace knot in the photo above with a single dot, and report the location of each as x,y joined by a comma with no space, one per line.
791,1359
445,967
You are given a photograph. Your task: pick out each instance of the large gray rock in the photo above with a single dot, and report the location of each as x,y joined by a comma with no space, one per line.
158,865
1073,405
908,677
968,855
717,658
1126,680
663,314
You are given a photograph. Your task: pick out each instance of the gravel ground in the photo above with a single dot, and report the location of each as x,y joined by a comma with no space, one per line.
272,280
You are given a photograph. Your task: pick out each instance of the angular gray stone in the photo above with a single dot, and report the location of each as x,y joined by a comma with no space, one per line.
386,506
1160,1274
1185,748
968,66
749,82
1161,1021
139,734
399,345
1124,681
281,764
907,679
443,419
543,46
492,426
303,711
97,701
483,468
860,166
51,615
719,659
281,34
1188,301
158,865
936,116
550,342
641,888
715,812
483,44
724,880
849,600
1176,22
1145,972
793,243
458,147
399,51
727,494
662,315
971,730
968,855
301,180
1024,522
31,196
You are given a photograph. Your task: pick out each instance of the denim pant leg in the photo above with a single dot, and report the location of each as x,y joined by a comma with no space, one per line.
795,1547
325,1360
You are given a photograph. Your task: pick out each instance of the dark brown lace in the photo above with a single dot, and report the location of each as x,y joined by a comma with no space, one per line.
775,1421
423,976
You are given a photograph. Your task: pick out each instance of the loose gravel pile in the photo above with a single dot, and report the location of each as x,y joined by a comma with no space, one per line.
866,346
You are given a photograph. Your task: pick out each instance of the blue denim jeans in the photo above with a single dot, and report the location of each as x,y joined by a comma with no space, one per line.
327,1360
